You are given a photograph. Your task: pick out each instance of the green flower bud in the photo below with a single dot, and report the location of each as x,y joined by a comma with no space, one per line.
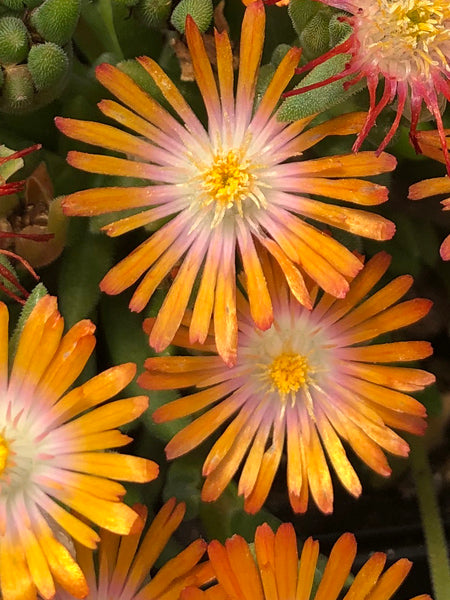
200,10
13,41
12,4
55,20
315,37
301,12
153,13
338,30
48,64
18,89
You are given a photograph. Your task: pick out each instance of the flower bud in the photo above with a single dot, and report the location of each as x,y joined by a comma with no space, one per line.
301,12
55,20
18,89
315,37
48,65
13,41
200,10
339,30
153,13
13,4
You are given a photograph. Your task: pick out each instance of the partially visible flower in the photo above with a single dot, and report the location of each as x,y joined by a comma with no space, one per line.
273,570
407,42
224,189
124,564
54,453
311,380
12,286
431,146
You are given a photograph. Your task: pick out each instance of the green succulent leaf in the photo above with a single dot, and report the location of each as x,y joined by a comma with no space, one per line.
323,97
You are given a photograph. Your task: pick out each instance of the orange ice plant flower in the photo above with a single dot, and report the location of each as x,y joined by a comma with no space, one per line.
431,146
276,570
125,562
223,189
309,382
52,454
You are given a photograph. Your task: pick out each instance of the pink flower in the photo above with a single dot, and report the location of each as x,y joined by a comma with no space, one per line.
408,43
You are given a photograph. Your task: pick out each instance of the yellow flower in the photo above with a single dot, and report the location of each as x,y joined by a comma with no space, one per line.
310,381
229,188
52,453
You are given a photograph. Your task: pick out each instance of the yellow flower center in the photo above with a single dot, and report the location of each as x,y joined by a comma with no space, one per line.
408,35
288,372
4,453
227,183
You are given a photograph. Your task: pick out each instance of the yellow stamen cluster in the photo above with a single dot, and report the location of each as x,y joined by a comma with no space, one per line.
288,373
4,454
412,32
227,183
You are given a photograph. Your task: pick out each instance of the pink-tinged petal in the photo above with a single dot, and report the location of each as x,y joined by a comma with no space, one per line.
122,167
168,150
105,136
225,320
175,303
204,303
126,90
178,102
258,294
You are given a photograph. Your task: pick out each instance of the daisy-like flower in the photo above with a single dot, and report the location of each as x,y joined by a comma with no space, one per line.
407,42
273,570
223,189
52,454
431,146
310,380
125,562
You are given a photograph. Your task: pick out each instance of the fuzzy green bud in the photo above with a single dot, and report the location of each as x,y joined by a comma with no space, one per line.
13,41
153,13
48,64
55,20
301,12
200,10
18,89
12,4
315,37
338,30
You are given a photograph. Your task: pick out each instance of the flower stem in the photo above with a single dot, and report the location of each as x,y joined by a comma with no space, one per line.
438,558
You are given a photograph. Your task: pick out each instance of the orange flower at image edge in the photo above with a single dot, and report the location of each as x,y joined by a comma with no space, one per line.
430,144
125,565
276,572
224,189
311,380
52,454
